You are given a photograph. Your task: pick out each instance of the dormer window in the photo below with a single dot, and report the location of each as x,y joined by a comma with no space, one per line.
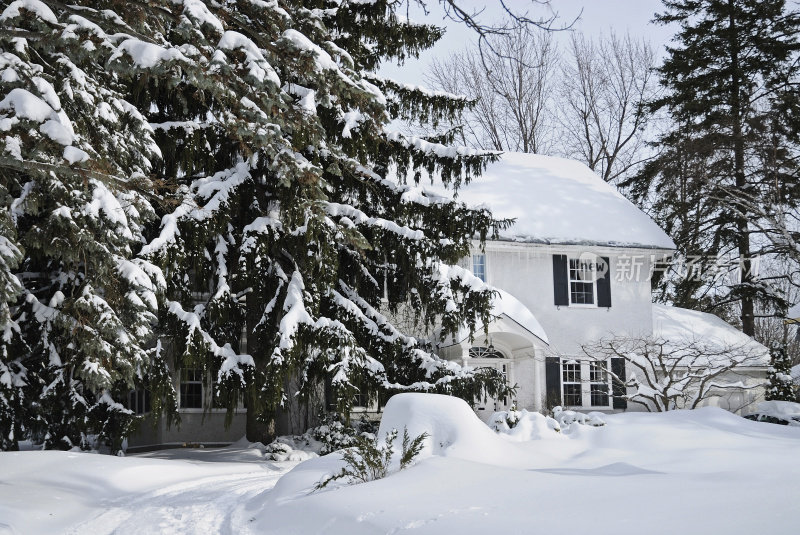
479,266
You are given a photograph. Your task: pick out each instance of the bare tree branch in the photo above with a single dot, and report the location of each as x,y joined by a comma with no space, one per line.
667,375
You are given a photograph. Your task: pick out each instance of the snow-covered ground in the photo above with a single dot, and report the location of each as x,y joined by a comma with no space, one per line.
703,471
170,491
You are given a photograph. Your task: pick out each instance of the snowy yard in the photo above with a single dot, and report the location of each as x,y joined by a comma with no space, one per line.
703,471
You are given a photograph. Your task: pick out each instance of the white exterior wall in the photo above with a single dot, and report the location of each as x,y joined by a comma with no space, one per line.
525,270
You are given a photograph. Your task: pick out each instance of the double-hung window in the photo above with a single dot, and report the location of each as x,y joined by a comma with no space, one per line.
191,390
571,381
479,266
582,274
139,401
582,281
598,384
585,383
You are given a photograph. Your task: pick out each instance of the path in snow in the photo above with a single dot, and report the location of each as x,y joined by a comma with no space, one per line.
208,505
173,491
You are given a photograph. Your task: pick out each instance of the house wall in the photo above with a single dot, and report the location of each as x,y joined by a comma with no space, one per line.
526,272
195,428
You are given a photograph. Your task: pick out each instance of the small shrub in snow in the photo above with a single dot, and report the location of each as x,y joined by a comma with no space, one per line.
298,450
334,434
511,416
781,385
369,460
566,418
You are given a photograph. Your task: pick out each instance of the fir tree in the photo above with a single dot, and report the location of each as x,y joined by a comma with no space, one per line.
781,386
76,306
290,226
732,146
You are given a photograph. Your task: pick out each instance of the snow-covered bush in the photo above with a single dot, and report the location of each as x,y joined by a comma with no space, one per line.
505,419
523,425
332,435
290,449
335,434
370,459
565,418
781,385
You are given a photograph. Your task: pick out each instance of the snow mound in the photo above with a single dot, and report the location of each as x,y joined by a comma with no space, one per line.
523,426
453,428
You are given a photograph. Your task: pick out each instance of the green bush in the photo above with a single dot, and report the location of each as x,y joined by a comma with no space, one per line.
369,460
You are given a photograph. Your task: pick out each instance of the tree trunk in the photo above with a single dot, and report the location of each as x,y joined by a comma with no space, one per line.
256,429
742,224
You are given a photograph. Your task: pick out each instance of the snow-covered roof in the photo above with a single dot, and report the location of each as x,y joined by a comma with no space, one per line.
561,201
508,305
675,323
505,305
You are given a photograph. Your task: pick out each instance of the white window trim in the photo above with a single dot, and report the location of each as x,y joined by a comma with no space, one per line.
604,369
207,396
485,265
586,384
571,362
570,280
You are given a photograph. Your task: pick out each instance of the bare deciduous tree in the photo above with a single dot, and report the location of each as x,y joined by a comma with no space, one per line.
529,98
668,375
511,84
605,84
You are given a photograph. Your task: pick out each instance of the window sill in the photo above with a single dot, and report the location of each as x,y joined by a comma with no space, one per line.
580,305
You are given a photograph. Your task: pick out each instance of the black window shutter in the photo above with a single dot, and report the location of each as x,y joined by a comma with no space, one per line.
604,285
552,379
560,284
618,386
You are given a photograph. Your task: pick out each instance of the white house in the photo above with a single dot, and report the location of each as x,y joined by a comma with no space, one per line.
575,267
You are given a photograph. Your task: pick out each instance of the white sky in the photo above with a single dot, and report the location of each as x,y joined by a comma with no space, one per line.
596,17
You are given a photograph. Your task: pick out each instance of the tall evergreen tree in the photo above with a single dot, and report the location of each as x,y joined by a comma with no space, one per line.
76,306
729,92
290,227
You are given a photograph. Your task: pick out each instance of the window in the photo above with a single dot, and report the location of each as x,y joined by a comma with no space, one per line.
361,399
191,390
571,381
585,383
582,273
479,266
598,384
480,352
139,401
